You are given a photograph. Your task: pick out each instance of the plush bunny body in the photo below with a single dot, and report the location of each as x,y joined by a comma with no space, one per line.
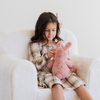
60,65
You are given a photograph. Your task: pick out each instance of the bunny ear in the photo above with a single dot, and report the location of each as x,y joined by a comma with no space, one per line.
68,45
59,44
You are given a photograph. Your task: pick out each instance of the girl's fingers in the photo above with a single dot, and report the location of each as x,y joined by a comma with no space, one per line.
51,52
53,49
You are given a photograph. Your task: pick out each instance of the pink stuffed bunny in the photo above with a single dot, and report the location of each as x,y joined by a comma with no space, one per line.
60,66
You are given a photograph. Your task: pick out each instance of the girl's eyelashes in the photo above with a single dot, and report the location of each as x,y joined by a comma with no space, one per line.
48,30
53,30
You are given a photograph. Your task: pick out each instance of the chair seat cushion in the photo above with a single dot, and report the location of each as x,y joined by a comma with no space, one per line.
46,94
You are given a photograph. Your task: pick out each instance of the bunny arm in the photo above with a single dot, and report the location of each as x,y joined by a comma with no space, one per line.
50,64
71,66
69,63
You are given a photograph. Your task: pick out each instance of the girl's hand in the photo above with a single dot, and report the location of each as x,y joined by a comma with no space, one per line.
73,68
51,52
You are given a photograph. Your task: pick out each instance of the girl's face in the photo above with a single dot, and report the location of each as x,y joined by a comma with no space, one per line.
50,31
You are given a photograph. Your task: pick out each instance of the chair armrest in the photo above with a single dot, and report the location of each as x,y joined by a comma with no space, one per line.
18,79
88,69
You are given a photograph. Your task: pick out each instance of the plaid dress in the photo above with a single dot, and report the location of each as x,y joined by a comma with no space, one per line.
38,56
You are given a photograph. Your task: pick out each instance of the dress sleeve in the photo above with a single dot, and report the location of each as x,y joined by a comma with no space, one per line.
36,57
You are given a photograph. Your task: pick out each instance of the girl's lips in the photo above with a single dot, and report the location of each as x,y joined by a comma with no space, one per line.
49,36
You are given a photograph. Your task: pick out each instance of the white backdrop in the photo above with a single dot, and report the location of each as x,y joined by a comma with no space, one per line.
82,17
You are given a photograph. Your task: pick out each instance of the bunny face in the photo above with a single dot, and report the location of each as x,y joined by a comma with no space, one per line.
61,54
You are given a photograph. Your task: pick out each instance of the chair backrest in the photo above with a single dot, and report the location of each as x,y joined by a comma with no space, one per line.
67,36
16,42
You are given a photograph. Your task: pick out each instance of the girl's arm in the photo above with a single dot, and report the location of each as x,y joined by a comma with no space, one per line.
35,56
50,64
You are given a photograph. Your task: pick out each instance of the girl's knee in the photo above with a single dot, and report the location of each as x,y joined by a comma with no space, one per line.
58,86
81,87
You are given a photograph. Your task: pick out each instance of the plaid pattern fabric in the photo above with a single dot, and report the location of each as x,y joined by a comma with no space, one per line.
38,56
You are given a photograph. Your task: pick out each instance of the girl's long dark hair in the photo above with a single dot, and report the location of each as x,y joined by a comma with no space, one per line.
40,27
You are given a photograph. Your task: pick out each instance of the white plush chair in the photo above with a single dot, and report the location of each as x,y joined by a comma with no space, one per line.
18,76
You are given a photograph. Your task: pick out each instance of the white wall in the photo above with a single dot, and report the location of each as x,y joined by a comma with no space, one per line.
82,17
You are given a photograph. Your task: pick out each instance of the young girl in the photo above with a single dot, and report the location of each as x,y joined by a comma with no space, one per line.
42,49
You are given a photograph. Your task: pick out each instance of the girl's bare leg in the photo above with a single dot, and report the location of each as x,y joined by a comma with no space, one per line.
57,92
83,93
